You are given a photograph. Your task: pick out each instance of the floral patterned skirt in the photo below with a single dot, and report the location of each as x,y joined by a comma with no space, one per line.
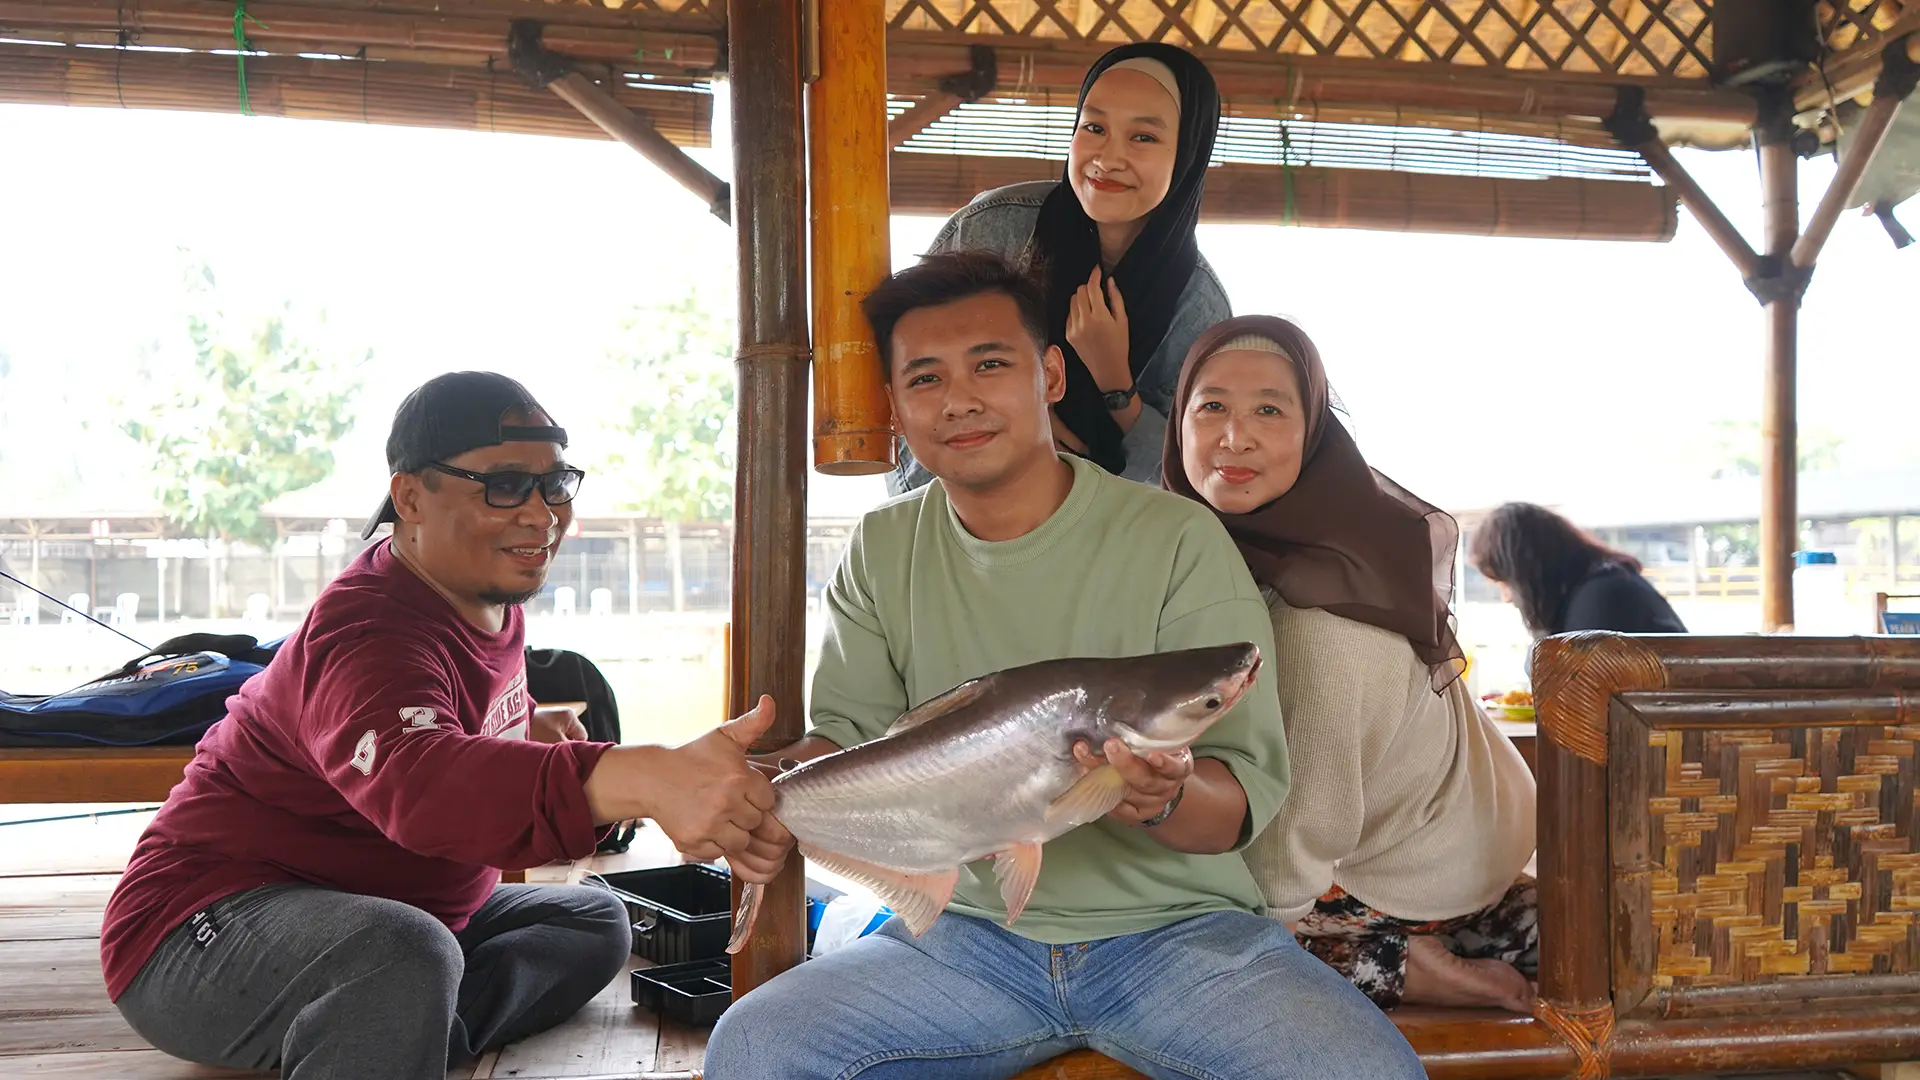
1370,948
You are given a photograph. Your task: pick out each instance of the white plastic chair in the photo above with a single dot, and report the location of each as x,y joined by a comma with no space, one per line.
78,602
125,607
257,607
600,602
563,600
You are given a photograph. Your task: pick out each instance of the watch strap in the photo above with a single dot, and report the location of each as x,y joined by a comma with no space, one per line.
1167,812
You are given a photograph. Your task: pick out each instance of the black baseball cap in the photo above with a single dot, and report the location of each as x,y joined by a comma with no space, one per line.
451,414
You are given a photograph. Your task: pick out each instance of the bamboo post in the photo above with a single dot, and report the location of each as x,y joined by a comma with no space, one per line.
1778,283
847,151
767,643
1779,466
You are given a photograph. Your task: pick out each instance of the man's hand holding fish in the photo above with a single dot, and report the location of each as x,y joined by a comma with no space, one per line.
1191,806
704,795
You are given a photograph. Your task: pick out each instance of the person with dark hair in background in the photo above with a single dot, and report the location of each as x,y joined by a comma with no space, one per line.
1113,242
1562,579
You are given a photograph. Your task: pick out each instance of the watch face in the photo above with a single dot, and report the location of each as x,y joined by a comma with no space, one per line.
1117,399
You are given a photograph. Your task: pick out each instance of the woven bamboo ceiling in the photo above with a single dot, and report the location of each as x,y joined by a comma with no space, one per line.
1505,91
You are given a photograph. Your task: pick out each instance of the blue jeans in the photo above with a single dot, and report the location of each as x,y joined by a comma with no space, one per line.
1226,996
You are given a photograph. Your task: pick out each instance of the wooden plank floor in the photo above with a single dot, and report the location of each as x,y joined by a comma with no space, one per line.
56,1021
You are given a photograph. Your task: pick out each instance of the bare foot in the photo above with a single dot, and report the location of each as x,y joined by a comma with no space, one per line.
1435,976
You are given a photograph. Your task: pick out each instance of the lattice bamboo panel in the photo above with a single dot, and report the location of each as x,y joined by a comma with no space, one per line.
1847,23
1783,852
1654,38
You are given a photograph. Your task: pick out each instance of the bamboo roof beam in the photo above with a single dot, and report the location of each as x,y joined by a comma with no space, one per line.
542,67
1898,75
1852,72
953,91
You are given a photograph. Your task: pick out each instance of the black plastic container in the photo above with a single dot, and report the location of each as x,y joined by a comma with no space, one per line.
680,913
685,913
694,993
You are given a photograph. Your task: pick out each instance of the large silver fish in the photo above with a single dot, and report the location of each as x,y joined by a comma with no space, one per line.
987,768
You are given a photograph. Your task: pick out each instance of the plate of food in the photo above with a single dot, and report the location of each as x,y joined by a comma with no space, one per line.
1509,705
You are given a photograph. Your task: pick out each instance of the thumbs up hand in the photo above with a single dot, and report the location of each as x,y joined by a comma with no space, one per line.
706,797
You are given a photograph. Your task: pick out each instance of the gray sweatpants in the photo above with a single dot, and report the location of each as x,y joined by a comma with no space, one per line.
327,985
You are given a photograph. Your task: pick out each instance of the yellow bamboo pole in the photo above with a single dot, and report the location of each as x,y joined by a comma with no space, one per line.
848,150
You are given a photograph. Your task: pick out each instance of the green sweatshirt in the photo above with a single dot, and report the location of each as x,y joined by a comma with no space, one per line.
919,605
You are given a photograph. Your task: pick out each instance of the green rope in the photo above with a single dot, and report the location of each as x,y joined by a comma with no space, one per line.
1286,172
240,43
1286,146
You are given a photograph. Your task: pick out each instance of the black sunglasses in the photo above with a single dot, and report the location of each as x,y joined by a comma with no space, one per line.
506,490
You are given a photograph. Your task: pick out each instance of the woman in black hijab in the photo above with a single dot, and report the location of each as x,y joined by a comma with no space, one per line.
1127,289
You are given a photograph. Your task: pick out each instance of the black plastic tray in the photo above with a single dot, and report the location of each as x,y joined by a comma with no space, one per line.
685,913
693,993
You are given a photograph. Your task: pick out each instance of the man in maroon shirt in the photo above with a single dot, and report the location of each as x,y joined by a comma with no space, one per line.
320,894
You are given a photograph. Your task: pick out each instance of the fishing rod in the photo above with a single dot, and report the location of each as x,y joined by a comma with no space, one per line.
78,817
60,603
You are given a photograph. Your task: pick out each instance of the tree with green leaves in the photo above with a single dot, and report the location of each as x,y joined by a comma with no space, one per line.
252,417
1736,449
674,445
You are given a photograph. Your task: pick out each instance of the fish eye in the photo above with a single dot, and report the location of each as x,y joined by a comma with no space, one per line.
1213,703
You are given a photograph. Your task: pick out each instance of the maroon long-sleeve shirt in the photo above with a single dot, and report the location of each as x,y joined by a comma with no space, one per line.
382,752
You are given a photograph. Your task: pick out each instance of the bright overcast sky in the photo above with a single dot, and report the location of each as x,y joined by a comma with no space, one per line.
1475,369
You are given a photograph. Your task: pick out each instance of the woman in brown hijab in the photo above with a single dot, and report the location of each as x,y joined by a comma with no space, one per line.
1398,855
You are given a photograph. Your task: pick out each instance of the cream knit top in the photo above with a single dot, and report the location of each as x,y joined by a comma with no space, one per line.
1411,801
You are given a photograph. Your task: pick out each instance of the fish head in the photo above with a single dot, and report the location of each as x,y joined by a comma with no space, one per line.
1169,699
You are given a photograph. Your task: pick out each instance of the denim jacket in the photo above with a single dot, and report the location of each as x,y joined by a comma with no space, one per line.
1001,221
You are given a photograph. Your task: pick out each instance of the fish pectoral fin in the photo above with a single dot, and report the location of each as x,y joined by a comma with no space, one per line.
1089,799
1017,869
917,898
964,694
745,916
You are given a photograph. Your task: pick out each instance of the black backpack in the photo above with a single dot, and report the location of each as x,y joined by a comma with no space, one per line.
564,675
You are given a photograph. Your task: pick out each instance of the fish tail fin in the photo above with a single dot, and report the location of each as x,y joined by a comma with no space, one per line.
747,914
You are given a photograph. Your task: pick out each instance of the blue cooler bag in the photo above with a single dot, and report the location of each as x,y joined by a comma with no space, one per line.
168,697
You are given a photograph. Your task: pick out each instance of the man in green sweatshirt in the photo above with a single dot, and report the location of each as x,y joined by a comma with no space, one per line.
1144,937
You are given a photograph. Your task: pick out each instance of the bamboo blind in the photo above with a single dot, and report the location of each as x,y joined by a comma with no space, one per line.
1035,129
340,88
1559,207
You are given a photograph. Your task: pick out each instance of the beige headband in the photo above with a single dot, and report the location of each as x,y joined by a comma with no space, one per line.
1253,343
1155,70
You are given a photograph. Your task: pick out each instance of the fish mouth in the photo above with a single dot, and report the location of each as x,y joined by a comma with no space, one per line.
1237,686
1144,744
